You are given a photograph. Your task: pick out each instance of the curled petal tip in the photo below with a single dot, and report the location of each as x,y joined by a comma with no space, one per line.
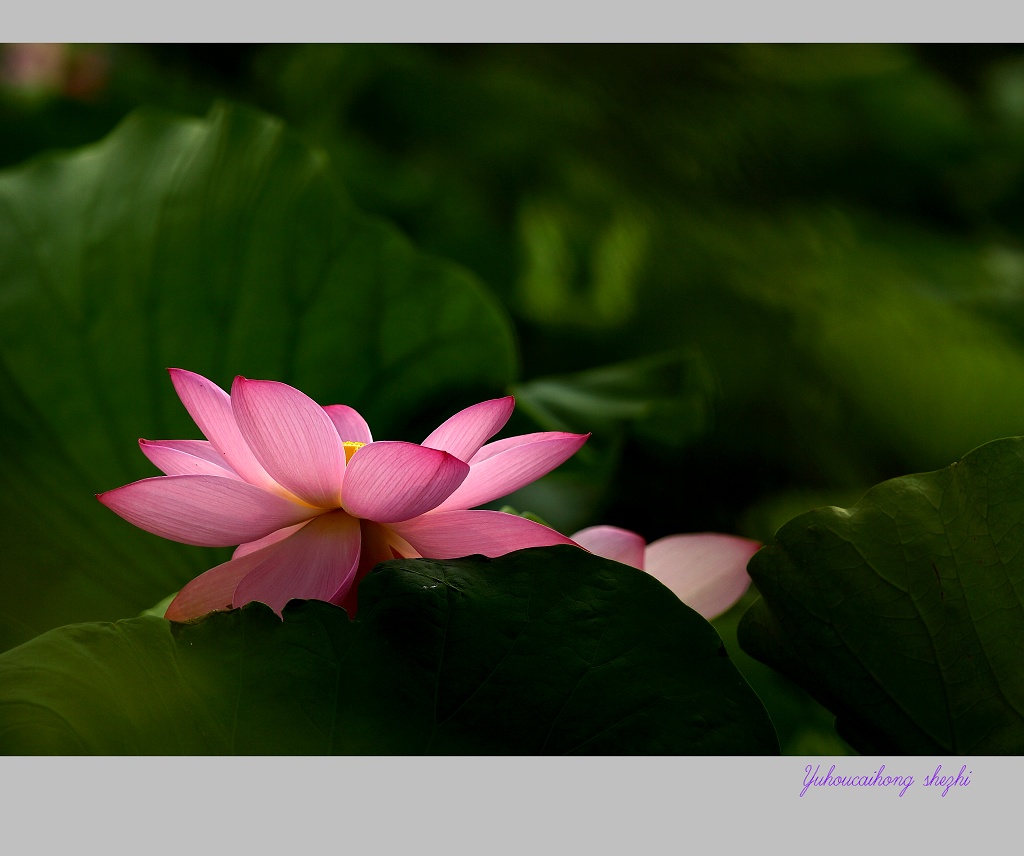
104,497
390,481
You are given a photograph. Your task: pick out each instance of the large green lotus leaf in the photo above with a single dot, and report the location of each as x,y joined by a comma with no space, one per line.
543,651
224,246
903,614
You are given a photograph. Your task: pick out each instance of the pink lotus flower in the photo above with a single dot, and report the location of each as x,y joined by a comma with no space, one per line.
314,502
708,572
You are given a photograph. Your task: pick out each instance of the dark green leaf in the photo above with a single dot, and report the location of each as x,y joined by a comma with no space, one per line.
550,651
903,614
223,246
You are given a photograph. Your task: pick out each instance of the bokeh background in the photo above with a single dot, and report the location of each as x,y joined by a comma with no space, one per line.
766,277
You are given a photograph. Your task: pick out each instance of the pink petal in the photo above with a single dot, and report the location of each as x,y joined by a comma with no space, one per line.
708,572
452,534
464,433
210,407
315,563
374,549
391,480
492,449
292,437
513,466
350,425
400,548
207,511
197,448
186,457
272,538
213,590
611,542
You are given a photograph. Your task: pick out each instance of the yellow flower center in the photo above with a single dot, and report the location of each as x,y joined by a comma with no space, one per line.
351,447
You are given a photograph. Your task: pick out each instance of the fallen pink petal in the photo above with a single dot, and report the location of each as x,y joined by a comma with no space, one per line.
313,502
707,571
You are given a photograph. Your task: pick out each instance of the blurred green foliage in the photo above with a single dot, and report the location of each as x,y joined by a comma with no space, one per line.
826,239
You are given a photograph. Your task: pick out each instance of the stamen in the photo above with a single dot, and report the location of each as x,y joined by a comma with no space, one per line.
351,447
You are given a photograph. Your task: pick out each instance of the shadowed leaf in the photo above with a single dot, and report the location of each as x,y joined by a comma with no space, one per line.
545,651
903,614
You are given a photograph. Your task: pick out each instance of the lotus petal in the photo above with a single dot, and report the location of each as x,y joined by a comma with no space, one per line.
210,408
317,562
272,538
351,427
454,534
204,510
513,466
611,542
708,572
391,480
463,434
292,437
175,458
374,549
214,590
